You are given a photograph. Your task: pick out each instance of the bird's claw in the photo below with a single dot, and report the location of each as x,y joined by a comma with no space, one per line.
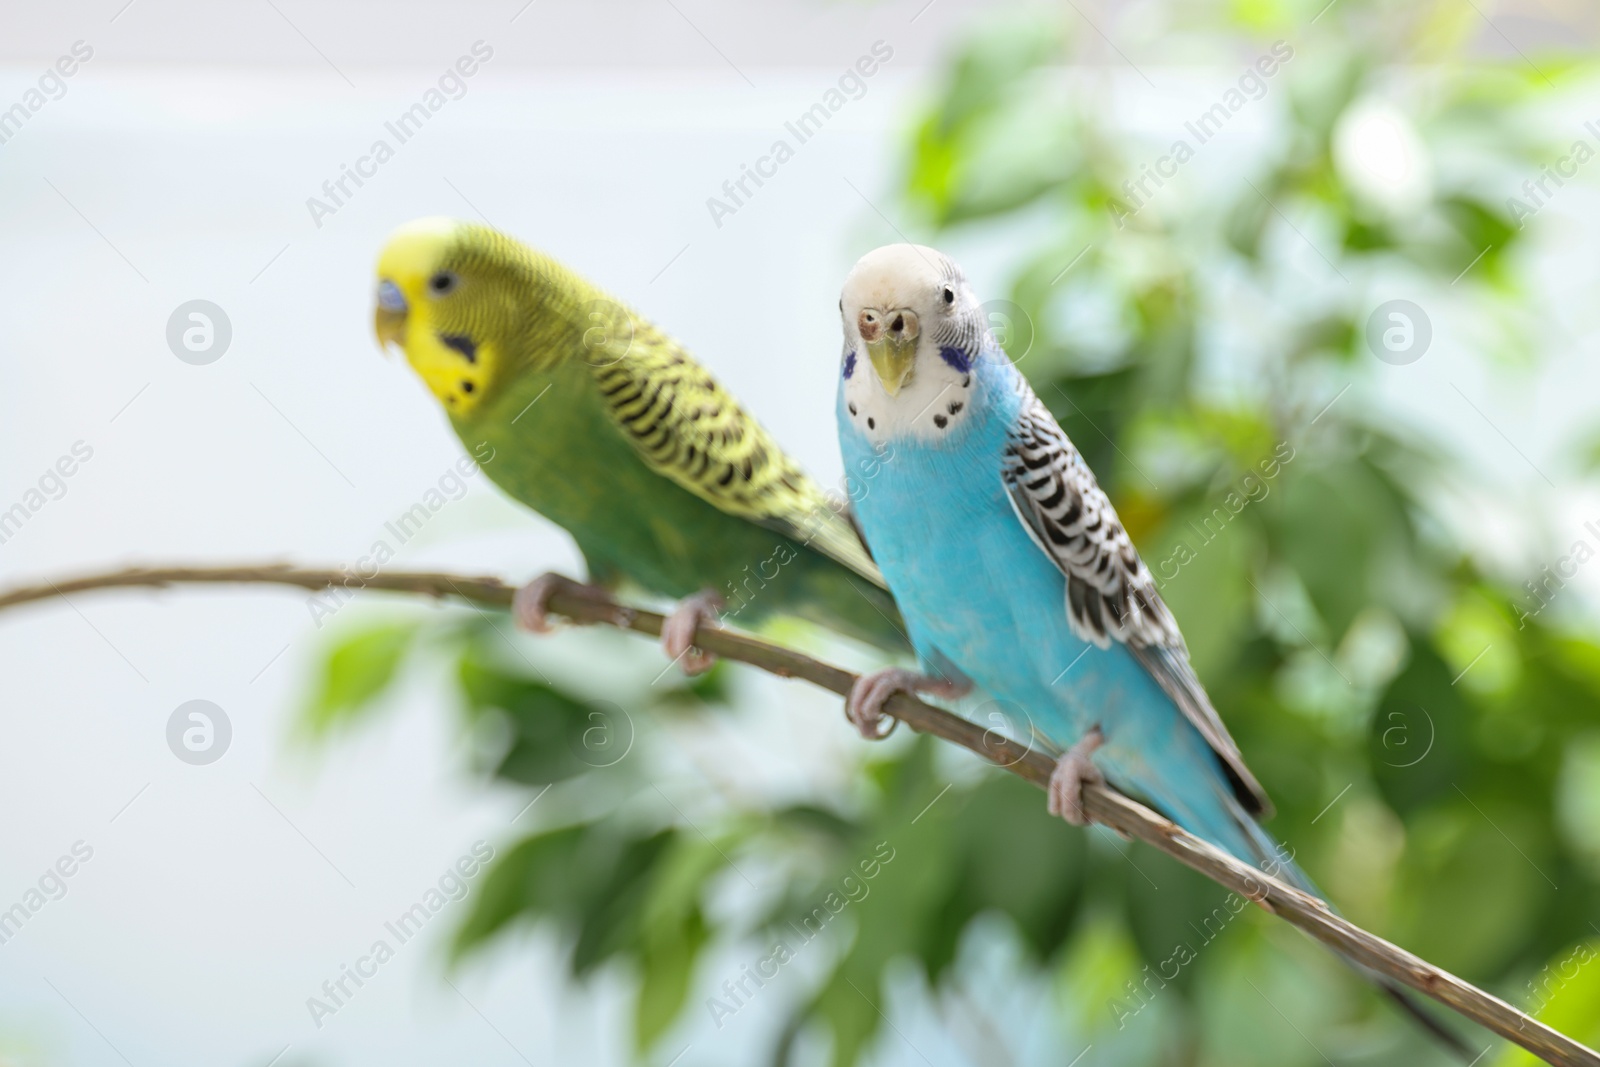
678,632
864,706
1074,770
530,606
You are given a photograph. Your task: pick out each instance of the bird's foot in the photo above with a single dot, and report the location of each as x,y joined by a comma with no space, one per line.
864,706
530,607
678,632
1074,771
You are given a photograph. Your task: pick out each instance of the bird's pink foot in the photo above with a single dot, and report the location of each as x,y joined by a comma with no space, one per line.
678,632
1073,771
530,607
864,706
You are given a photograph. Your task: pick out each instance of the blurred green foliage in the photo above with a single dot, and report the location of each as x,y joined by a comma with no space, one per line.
1434,757
355,672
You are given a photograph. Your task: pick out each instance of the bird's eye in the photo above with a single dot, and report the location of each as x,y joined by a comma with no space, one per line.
443,283
949,295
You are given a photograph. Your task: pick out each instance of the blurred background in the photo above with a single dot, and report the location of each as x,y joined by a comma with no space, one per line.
1349,243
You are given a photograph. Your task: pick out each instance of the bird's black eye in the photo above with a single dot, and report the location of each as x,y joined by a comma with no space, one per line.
443,283
949,295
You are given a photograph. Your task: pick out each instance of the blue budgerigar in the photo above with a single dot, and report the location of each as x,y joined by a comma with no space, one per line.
1010,566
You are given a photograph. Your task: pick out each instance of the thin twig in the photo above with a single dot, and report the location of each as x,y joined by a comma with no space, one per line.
1104,805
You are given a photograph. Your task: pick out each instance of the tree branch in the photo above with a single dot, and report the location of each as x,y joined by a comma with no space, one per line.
1104,804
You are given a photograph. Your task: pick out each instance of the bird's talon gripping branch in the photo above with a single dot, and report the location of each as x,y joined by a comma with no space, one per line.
678,632
1073,771
531,605
864,706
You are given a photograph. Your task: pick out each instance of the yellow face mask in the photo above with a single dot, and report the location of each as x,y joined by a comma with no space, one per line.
424,307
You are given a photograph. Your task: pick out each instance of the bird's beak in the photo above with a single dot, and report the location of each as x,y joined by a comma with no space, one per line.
891,340
389,318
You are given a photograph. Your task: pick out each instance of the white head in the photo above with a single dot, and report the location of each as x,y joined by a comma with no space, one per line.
910,312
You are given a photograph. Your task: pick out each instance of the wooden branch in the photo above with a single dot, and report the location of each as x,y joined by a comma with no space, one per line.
1105,805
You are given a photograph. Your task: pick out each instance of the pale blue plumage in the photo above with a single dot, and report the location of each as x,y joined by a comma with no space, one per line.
981,597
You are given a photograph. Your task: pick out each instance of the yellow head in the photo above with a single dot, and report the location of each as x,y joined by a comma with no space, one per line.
464,303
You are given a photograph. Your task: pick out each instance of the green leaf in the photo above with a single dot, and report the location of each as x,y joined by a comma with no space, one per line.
537,877
672,931
667,960
554,734
613,908
355,672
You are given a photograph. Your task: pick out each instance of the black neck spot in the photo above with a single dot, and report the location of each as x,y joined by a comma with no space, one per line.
461,344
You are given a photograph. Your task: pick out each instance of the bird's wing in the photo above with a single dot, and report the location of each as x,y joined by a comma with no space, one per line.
1111,594
687,428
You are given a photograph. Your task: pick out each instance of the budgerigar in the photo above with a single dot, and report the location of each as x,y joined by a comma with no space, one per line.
1010,566
603,424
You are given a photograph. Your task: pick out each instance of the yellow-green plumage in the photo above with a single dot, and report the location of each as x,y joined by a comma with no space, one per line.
606,426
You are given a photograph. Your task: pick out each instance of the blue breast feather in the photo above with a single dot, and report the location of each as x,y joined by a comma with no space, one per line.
979,594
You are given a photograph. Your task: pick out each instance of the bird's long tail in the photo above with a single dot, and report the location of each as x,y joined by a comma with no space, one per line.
1235,830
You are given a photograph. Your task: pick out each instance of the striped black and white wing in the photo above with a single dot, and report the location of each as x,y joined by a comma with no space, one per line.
1111,594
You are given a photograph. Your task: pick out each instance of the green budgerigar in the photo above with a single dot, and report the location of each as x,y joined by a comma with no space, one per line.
605,425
